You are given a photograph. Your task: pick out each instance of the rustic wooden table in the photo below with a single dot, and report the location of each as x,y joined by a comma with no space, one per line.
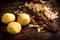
26,33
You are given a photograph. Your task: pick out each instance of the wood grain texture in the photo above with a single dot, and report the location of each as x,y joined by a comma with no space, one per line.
26,33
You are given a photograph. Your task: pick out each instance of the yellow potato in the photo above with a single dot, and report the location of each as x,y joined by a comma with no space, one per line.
23,19
8,17
39,8
14,27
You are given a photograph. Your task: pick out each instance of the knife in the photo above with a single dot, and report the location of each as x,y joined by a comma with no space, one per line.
51,27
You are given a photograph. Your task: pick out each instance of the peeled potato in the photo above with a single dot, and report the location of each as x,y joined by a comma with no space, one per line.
8,17
23,19
14,27
39,8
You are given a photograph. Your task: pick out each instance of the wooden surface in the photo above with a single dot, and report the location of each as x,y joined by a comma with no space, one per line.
26,33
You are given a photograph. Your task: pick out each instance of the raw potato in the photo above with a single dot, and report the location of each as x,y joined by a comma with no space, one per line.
23,19
39,8
14,27
8,17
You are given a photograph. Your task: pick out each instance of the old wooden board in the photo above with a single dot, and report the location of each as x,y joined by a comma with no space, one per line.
26,33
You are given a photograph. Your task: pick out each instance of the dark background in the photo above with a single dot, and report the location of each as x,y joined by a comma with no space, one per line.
26,33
